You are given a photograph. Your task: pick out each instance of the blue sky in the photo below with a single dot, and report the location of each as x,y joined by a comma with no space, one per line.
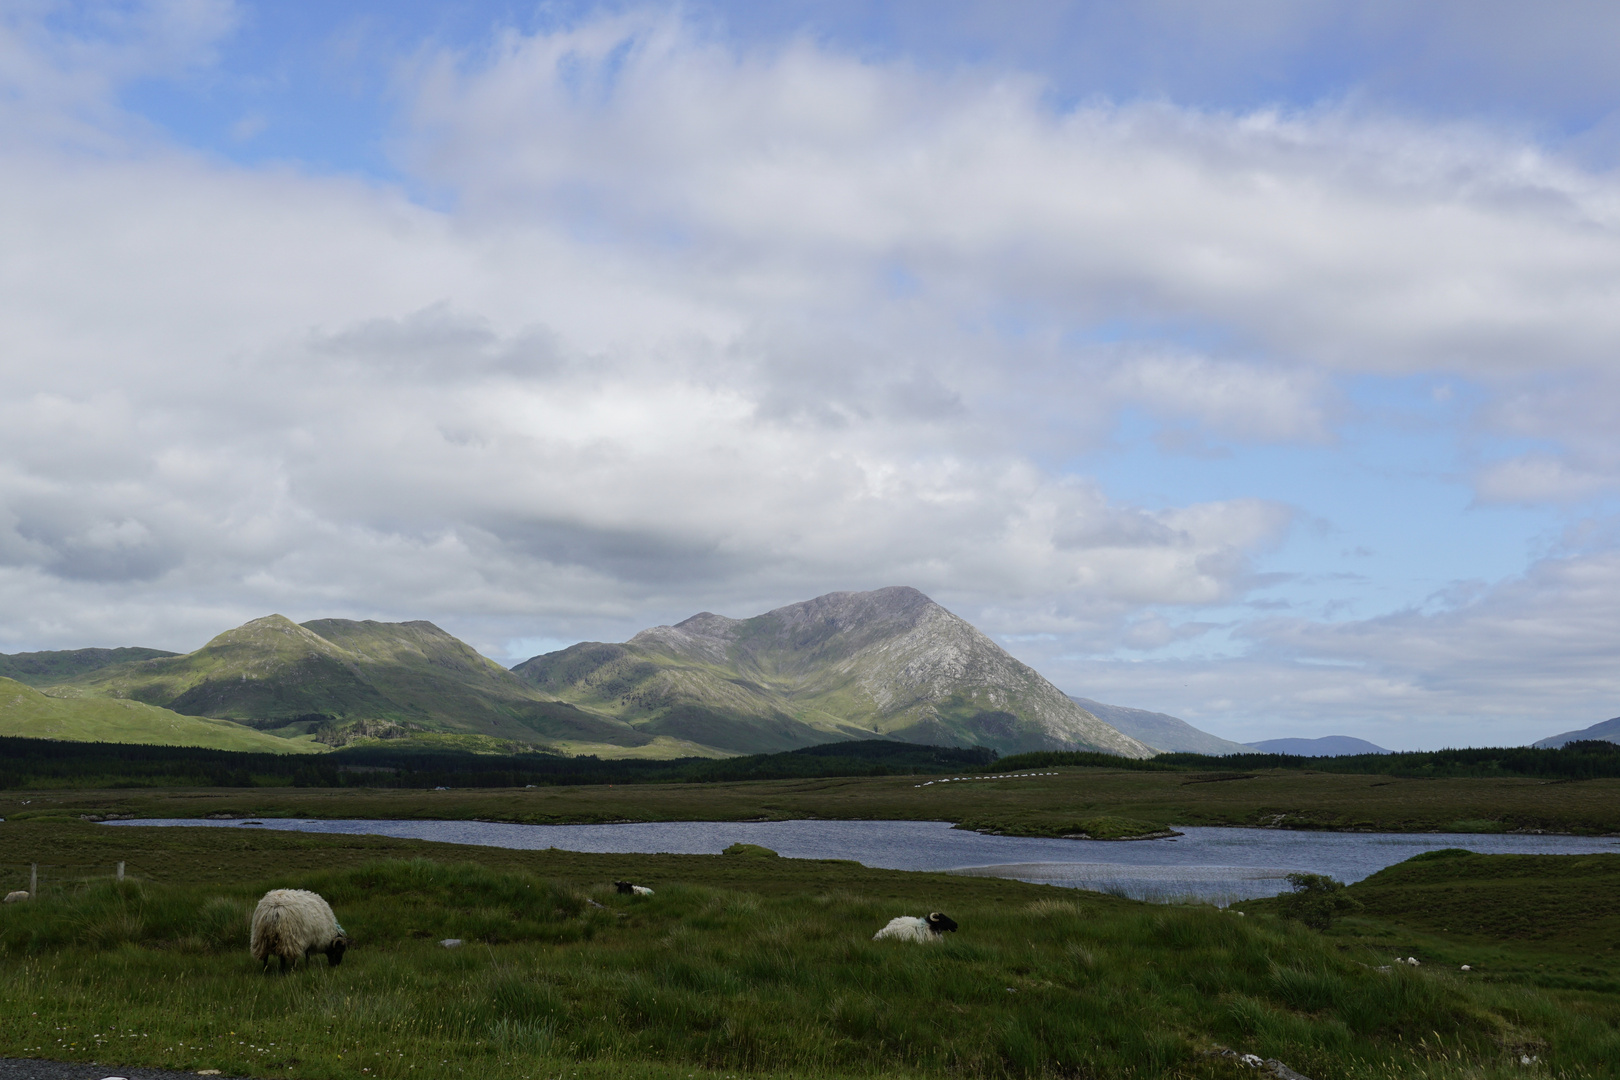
1252,362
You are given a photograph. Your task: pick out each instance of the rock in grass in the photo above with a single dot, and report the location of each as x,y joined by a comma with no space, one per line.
451,943
1283,1072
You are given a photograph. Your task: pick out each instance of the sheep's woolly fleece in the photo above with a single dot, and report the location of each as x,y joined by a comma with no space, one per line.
292,924
912,928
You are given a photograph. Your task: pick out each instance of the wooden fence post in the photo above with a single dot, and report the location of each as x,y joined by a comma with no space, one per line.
33,881
120,871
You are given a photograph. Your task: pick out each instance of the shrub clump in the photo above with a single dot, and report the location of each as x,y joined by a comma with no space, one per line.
1316,900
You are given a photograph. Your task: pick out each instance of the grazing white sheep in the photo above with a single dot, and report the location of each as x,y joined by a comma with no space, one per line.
16,895
911,928
294,923
627,889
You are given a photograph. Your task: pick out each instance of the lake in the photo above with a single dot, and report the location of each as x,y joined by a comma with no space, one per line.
1218,865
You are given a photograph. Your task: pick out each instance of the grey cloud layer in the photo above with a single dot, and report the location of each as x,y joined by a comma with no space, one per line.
704,329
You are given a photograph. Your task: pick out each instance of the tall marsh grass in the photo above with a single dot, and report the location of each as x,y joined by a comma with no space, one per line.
554,981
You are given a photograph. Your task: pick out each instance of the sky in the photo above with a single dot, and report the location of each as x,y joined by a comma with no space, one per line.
1255,362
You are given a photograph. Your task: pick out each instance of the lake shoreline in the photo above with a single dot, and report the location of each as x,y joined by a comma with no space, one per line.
1206,863
1168,833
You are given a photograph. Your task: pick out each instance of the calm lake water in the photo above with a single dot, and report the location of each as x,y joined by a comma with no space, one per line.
1218,865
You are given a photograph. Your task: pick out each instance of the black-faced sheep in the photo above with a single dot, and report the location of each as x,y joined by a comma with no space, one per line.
911,928
626,889
294,923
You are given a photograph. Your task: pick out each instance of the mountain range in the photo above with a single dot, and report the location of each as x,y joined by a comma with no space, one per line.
340,679
889,663
843,666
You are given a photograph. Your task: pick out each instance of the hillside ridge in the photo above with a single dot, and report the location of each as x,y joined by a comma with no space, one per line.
1607,730
1326,746
1163,732
375,680
52,666
26,712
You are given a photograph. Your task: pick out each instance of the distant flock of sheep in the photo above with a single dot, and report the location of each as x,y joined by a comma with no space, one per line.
295,924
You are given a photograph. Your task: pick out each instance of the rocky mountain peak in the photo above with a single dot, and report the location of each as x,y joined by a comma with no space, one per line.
884,609
708,624
888,661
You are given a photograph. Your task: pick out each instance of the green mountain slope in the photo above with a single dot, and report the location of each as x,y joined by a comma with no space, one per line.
1161,731
27,713
352,679
45,668
842,666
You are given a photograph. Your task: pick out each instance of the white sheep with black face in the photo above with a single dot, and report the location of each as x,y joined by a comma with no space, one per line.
911,928
294,924
625,888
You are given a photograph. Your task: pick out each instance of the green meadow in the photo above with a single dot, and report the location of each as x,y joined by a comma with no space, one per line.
743,965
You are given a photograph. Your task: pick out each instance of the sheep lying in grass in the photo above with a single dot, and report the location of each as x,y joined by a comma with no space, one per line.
294,923
627,889
911,928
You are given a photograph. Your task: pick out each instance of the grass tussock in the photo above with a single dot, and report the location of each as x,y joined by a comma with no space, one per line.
726,981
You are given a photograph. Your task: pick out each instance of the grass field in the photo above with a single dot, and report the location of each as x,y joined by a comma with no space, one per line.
1052,805
1549,920
748,966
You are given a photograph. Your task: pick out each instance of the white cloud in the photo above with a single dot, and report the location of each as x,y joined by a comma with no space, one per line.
1569,415
1536,478
1238,401
61,62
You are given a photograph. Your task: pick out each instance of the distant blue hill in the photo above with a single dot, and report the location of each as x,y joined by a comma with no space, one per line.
1609,729
1326,746
1161,731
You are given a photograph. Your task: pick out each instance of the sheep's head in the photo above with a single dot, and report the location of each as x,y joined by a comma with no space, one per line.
624,887
334,951
940,923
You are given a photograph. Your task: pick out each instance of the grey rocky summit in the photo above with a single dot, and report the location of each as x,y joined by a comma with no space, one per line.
888,663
